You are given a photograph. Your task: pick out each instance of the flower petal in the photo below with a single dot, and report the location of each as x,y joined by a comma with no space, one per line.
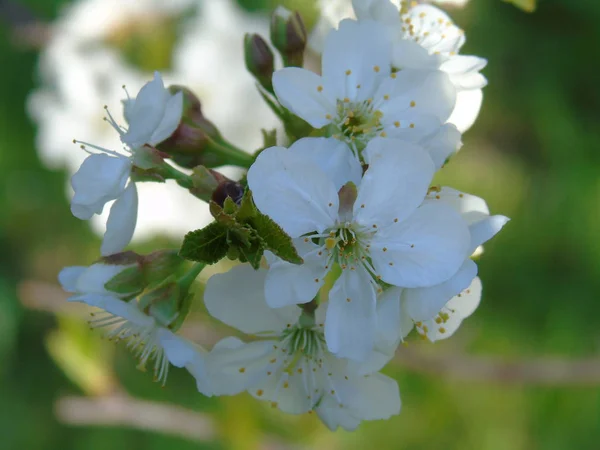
290,284
351,320
293,191
333,157
485,229
68,277
468,104
298,90
170,120
366,64
424,92
382,11
121,222
395,183
424,250
94,278
100,178
237,298
286,392
442,144
424,303
464,71
235,366
471,208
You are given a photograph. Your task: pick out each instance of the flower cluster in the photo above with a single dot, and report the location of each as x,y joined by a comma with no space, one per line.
344,242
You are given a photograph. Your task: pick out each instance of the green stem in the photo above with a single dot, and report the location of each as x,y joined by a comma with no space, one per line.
185,282
231,155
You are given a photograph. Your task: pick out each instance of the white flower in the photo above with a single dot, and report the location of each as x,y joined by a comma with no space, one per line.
426,38
437,311
383,232
290,366
144,335
360,98
153,116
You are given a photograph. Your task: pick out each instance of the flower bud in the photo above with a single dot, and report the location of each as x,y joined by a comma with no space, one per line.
260,61
228,188
288,35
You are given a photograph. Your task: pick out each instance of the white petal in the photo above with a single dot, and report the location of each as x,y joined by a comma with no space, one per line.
170,121
334,417
236,369
382,11
237,298
442,144
100,178
408,54
394,184
455,311
431,91
377,397
388,315
333,157
468,104
471,208
424,250
146,113
286,391
121,222
93,279
351,320
293,191
68,277
424,303
463,71
485,229
298,90
467,302
366,64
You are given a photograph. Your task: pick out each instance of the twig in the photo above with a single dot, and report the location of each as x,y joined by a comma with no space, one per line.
539,371
138,414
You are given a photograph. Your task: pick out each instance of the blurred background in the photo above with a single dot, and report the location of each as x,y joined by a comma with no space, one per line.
522,373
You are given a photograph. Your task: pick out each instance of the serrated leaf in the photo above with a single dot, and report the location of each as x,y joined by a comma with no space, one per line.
129,281
241,235
208,245
254,254
525,5
247,208
229,206
275,239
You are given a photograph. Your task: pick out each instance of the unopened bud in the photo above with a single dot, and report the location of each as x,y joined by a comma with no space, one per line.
228,189
194,134
288,35
260,61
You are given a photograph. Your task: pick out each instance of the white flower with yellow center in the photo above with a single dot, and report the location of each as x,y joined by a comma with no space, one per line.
153,116
360,97
424,37
376,229
289,365
145,335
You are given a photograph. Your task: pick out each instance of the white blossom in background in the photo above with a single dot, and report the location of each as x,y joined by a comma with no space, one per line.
289,366
143,334
80,73
153,115
380,232
360,97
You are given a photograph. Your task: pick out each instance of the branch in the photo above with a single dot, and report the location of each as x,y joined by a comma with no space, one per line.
121,410
539,371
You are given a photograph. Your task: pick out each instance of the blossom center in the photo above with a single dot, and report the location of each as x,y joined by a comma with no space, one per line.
357,122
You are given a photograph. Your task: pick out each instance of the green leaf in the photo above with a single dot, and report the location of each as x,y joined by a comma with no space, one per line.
275,239
208,245
241,235
525,5
129,281
254,254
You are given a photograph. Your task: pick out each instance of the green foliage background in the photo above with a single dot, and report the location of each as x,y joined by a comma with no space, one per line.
534,154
